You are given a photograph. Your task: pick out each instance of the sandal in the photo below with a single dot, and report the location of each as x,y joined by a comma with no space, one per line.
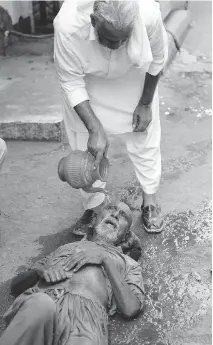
152,218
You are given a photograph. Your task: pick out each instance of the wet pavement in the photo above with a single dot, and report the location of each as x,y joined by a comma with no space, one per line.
177,273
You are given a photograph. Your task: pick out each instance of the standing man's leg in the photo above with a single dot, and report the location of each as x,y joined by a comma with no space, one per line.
144,152
92,202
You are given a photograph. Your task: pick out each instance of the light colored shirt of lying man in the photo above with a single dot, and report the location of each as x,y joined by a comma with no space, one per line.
71,292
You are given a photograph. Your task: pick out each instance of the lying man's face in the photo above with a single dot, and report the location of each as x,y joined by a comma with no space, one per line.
114,222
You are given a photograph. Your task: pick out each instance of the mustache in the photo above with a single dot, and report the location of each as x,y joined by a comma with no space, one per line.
111,221
108,228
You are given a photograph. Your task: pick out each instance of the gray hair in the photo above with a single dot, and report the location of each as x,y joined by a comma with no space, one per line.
120,14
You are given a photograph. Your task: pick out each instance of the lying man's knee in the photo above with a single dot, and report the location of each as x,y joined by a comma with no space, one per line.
43,306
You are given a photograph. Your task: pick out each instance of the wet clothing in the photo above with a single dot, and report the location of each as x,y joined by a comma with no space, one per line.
113,82
64,318
32,321
73,318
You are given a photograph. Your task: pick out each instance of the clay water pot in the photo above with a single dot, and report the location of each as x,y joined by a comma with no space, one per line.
77,169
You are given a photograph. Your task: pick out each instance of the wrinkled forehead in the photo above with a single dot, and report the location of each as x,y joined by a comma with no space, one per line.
118,205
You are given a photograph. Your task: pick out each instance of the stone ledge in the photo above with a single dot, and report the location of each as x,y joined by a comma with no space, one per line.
44,128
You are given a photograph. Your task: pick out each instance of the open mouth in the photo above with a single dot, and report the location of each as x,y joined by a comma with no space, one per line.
110,221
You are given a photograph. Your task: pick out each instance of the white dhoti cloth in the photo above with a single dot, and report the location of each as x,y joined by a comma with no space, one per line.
116,114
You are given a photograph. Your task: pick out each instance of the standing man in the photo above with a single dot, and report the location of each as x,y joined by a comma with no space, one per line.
109,56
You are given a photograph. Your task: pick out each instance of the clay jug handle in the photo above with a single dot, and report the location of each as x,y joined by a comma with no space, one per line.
98,177
97,171
61,169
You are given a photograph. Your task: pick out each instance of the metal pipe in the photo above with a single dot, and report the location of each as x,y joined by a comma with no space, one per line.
29,36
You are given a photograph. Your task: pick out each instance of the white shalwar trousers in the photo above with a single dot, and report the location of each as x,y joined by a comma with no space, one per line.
143,150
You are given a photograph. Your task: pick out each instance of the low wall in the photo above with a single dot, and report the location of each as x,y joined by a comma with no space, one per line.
17,9
21,14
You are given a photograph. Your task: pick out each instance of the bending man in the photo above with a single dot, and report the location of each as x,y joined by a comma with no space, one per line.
109,56
70,294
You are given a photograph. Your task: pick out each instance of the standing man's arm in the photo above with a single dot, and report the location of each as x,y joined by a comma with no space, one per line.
71,77
158,42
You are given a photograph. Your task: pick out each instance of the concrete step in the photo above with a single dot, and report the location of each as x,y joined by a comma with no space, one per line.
42,128
30,99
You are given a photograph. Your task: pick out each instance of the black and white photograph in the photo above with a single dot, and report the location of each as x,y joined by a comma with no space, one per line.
106,172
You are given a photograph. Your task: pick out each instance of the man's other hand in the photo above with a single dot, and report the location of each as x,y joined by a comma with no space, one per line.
98,145
142,117
53,275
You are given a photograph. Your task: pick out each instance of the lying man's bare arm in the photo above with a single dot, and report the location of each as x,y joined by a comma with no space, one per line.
28,279
127,302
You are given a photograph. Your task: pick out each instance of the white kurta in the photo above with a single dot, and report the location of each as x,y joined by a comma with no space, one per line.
112,80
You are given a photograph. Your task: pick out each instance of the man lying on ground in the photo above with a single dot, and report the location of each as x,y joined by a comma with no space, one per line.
67,297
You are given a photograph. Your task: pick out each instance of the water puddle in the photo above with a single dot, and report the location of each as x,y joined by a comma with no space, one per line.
176,296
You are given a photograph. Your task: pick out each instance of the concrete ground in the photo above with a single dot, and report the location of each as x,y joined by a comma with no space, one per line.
37,211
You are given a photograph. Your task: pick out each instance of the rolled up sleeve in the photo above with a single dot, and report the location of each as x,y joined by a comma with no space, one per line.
69,70
158,42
